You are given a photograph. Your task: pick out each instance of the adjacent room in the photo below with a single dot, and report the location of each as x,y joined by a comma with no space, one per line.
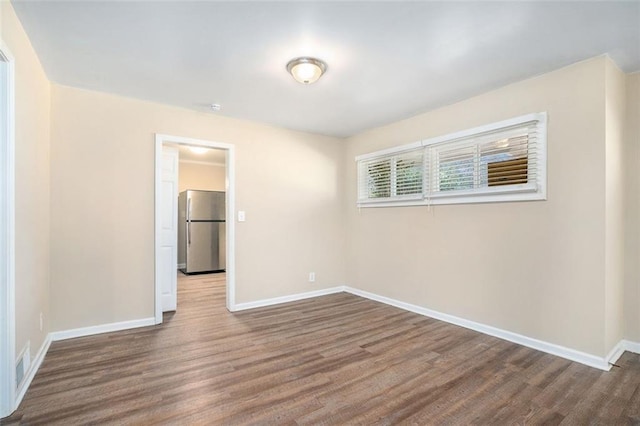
343,212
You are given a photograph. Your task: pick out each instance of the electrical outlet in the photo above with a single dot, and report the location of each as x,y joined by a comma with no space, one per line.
41,321
312,277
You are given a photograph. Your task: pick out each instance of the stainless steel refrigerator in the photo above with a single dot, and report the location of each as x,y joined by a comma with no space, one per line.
201,231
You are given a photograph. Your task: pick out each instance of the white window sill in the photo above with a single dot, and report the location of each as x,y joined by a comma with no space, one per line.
497,195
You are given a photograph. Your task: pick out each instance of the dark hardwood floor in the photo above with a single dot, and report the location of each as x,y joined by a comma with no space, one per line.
337,359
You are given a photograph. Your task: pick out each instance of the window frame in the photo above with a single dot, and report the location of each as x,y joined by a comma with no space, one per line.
392,157
530,191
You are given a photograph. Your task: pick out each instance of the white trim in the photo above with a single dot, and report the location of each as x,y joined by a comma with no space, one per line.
231,226
631,346
7,242
182,265
289,298
622,347
497,195
514,121
522,187
33,369
615,353
550,348
537,116
157,219
160,139
99,329
392,150
543,119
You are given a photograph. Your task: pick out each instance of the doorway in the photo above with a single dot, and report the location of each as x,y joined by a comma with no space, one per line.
166,261
7,233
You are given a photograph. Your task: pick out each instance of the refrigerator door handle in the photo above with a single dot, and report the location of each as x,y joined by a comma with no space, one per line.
189,221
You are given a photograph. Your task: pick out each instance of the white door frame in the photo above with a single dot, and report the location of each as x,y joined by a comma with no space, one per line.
231,195
7,235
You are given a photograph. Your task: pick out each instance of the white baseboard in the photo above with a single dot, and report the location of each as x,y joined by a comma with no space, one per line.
99,329
631,346
285,299
622,347
551,348
182,265
616,352
33,369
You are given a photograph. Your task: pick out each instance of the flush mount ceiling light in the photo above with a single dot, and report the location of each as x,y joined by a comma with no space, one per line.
306,70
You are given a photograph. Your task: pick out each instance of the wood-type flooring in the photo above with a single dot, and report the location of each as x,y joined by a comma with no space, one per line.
332,360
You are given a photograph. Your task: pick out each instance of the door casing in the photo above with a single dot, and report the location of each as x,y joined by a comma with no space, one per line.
7,233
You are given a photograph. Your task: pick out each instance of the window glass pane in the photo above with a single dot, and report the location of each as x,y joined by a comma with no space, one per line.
503,162
408,176
379,179
456,169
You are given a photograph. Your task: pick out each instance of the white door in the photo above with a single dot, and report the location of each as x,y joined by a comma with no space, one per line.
169,229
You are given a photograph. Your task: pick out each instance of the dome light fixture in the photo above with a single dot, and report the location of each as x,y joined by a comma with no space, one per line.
306,70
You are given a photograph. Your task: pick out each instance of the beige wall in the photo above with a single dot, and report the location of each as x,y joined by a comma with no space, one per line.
632,210
534,268
205,177
102,265
32,96
614,202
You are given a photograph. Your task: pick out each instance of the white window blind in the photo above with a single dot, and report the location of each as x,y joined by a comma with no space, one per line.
499,162
490,162
398,176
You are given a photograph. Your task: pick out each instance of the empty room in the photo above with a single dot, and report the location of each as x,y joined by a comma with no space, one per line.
322,212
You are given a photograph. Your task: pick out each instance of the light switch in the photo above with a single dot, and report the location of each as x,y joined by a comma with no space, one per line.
241,216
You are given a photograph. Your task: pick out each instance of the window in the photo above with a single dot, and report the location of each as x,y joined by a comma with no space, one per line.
392,177
503,161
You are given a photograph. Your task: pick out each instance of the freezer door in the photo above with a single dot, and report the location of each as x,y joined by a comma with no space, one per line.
202,247
205,205
219,206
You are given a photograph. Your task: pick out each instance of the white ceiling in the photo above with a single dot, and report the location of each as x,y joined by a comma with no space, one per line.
386,60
